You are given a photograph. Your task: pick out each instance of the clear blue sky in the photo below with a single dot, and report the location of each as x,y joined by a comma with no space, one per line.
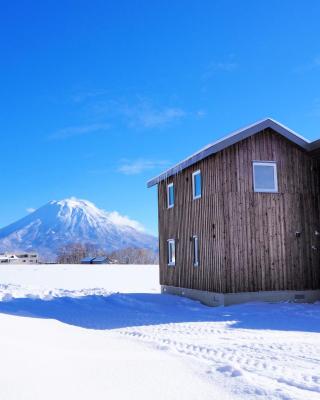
99,96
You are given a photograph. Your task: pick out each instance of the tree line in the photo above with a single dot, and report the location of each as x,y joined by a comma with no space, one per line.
73,254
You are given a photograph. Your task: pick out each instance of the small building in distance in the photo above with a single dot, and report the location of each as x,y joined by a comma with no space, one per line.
102,260
8,259
19,258
97,260
86,260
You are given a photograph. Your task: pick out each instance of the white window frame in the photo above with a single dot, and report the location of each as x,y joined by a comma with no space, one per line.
171,260
275,176
195,249
195,173
170,185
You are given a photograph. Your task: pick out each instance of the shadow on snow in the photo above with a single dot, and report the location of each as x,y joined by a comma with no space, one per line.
121,310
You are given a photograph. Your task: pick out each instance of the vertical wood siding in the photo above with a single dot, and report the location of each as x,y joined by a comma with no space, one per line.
247,240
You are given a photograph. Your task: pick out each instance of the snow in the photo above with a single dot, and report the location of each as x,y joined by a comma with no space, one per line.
55,361
106,332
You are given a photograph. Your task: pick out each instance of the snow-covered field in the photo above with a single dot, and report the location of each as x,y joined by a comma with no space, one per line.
106,332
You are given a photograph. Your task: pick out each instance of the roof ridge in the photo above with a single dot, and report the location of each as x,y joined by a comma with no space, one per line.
231,139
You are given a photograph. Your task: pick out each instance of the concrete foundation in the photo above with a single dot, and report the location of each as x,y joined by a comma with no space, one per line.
213,299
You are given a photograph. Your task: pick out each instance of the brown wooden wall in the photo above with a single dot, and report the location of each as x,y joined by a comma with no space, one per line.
247,240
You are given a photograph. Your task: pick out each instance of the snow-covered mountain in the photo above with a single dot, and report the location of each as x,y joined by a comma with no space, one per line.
58,223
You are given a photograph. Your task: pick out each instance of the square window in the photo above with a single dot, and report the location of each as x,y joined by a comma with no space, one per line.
171,252
196,184
265,176
170,195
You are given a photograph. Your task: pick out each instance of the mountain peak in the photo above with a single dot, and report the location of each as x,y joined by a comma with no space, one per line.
73,202
73,220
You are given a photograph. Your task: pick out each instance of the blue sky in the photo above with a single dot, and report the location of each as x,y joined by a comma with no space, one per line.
97,97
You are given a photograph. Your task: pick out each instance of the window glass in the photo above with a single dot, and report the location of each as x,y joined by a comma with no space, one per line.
195,242
265,177
170,195
196,182
171,252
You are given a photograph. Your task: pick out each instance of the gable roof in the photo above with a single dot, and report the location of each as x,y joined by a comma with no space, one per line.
315,145
86,259
233,138
101,259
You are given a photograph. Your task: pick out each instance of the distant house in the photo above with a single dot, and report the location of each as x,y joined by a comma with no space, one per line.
96,260
19,258
101,260
4,259
239,220
87,260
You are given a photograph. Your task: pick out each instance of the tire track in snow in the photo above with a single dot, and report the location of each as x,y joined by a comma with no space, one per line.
269,359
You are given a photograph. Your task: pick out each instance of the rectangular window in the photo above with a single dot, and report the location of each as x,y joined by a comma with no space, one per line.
170,195
265,176
195,242
196,184
171,252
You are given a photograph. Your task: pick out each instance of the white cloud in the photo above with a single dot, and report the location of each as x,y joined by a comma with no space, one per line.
200,113
123,220
80,130
220,66
316,61
138,113
135,167
145,115
315,110
223,66
30,210
81,97
153,118
314,64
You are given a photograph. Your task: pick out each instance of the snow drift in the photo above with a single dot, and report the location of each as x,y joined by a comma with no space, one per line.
85,331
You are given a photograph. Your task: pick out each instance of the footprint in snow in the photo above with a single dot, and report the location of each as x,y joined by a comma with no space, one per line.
228,370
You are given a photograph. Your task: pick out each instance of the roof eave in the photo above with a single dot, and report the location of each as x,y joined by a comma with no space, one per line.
229,140
315,145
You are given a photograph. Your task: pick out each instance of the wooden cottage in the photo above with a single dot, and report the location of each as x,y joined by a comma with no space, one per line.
240,219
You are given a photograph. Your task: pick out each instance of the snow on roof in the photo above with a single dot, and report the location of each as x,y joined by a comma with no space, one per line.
87,259
315,145
231,139
92,260
101,258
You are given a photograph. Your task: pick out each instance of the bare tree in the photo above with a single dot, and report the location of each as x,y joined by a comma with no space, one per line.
133,255
73,253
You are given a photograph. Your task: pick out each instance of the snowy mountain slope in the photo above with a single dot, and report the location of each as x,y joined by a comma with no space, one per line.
73,221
